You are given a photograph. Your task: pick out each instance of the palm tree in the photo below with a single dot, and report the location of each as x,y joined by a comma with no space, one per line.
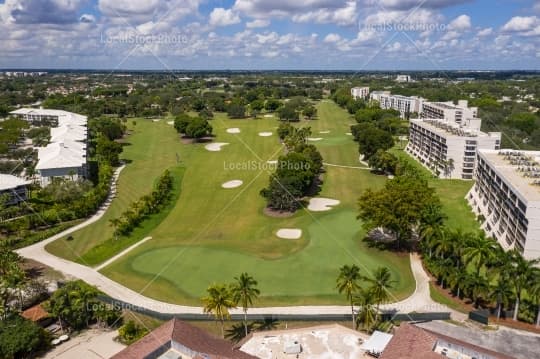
347,282
218,302
501,293
115,223
244,291
477,286
534,293
522,272
456,280
431,227
382,282
367,313
444,244
480,251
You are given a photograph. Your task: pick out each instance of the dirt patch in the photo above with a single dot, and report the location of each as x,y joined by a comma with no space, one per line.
277,214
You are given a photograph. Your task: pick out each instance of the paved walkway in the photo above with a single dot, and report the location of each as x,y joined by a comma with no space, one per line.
121,254
341,166
419,301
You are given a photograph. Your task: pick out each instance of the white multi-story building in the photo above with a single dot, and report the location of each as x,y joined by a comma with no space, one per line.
404,104
65,155
507,195
449,149
403,78
13,189
360,92
449,111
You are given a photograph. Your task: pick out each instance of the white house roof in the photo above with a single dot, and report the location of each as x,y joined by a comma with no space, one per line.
60,155
377,342
64,117
68,133
10,182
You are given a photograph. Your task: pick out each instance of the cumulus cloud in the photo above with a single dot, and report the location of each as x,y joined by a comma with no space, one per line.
332,38
257,23
411,4
520,24
460,23
485,32
341,16
223,17
43,11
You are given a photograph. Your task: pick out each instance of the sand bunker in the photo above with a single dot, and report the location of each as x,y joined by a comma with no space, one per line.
232,184
215,146
268,116
272,162
156,120
349,134
314,139
324,131
233,130
322,204
265,134
170,123
289,233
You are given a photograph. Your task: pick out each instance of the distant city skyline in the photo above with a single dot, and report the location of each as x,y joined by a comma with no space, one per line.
270,34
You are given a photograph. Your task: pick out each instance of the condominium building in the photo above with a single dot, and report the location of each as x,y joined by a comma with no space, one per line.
403,78
449,149
507,195
65,155
449,111
404,104
360,92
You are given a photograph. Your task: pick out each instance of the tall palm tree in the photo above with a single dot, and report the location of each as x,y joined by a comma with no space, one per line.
522,272
480,251
244,291
431,228
347,282
218,302
534,293
477,287
367,313
444,245
382,282
501,293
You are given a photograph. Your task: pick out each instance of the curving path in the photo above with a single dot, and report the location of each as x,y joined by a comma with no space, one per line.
419,301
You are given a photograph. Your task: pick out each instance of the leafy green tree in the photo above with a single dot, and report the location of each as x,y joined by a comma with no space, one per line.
130,332
198,128
348,283
288,113
284,130
523,273
383,161
11,277
73,304
181,122
108,151
309,112
236,110
244,292
398,207
218,302
272,104
21,338
371,139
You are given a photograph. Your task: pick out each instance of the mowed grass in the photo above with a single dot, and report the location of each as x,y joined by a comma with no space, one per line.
213,234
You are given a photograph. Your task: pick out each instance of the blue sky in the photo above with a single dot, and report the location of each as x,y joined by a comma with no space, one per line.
270,34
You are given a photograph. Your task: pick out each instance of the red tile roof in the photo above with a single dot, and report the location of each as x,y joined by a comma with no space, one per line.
35,313
189,336
412,342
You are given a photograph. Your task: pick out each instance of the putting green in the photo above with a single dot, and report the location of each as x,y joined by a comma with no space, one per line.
213,234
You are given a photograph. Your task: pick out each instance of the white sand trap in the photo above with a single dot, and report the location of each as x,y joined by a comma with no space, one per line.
233,130
322,204
272,162
324,131
265,134
268,116
390,176
349,134
156,120
170,123
232,184
289,233
314,139
215,146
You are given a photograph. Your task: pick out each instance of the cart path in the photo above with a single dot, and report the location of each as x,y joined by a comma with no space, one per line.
121,254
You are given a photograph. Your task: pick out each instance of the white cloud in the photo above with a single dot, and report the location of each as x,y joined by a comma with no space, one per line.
223,17
485,32
411,4
267,38
520,23
342,16
460,23
332,38
257,23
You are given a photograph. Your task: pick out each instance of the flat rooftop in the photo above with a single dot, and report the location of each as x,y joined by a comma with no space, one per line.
325,341
516,172
447,129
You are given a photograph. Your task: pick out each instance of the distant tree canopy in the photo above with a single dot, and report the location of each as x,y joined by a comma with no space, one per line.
192,127
236,110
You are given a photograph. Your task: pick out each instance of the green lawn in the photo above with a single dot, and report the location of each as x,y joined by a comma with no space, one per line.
213,234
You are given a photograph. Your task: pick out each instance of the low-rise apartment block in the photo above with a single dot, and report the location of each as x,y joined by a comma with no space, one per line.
65,155
507,195
406,105
360,92
448,111
13,189
449,149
